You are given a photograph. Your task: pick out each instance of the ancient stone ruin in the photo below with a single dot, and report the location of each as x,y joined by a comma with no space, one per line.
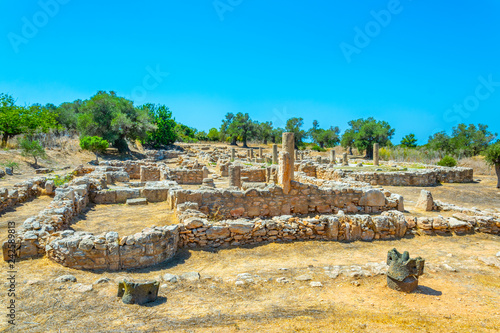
403,272
138,292
221,197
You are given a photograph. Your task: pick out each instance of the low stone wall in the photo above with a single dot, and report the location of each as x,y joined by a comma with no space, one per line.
426,177
184,176
132,168
149,173
254,175
33,234
271,201
152,191
197,231
24,191
81,250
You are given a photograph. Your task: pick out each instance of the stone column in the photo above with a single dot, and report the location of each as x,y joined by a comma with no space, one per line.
332,157
375,153
345,160
235,176
233,154
289,147
261,154
275,154
297,155
251,153
285,172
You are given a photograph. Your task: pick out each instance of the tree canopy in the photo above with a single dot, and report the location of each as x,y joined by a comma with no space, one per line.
164,133
365,132
293,125
409,141
115,119
465,140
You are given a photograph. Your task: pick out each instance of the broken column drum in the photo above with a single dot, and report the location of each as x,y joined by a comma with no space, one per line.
138,293
345,160
403,272
235,176
332,157
275,154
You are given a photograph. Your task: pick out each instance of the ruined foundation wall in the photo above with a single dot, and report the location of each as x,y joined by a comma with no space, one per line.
254,175
108,251
271,201
427,177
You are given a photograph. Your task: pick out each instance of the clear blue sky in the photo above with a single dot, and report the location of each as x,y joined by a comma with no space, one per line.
274,60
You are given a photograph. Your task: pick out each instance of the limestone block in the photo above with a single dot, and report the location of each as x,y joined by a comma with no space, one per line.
373,198
138,293
217,232
425,201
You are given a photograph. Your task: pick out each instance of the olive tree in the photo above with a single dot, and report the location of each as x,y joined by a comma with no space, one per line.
492,156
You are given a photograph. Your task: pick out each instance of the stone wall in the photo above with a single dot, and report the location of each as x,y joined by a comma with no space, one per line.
254,175
197,231
271,201
184,176
149,173
152,191
426,177
24,191
32,236
81,250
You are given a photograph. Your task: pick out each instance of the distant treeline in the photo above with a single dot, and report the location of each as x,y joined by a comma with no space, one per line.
116,120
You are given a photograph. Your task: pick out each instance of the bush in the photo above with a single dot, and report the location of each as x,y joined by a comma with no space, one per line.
94,144
11,164
447,161
32,148
318,148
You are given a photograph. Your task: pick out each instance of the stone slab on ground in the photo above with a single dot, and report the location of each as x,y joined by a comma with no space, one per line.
137,201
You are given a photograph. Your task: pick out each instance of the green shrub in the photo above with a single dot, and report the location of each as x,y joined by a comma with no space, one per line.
447,161
94,144
318,148
32,148
58,181
11,164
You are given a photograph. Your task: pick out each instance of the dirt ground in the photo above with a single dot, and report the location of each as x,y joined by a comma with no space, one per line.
482,194
457,293
124,219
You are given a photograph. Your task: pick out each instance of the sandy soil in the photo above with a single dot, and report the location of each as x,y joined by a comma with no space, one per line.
124,219
464,300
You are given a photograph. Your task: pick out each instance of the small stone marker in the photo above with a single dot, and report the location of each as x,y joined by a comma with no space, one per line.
137,201
208,182
138,293
403,272
345,160
332,156
425,201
